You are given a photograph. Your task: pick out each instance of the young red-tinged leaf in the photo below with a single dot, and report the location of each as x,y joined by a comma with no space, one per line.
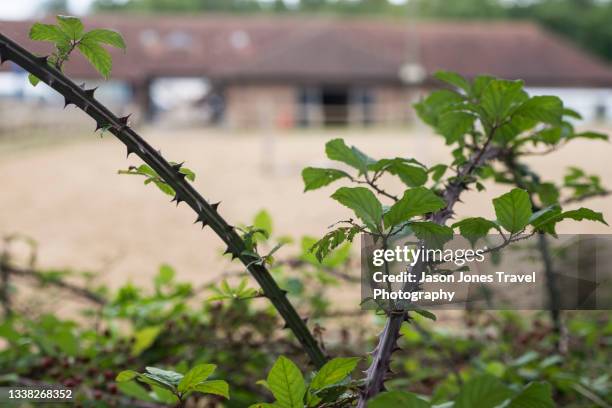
513,210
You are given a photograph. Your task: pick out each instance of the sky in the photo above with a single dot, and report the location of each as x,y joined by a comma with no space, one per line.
16,10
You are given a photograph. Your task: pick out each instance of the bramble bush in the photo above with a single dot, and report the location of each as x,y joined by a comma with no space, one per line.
172,347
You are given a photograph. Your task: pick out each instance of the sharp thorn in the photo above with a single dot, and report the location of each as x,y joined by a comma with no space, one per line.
177,199
215,205
99,125
67,102
177,166
202,220
129,151
42,60
285,326
124,120
90,92
305,320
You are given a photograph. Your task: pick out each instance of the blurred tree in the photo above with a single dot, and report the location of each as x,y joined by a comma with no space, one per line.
56,6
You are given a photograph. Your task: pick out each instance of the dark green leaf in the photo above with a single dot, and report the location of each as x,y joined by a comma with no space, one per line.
364,204
482,392
474,228
315,178
398,399
438,102
434,235
590,135
337,150
438,171
454,79
455,125
546,109
416,201
535,395
513,210
500,98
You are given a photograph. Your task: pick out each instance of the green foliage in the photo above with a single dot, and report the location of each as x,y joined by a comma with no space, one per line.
315,178
364,204
513,210
415,202
179,385
331,384
151,176
68,34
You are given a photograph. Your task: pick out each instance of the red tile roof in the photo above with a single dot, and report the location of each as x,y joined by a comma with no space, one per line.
324,49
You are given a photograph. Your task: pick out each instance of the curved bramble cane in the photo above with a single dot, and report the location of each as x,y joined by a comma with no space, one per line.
206,212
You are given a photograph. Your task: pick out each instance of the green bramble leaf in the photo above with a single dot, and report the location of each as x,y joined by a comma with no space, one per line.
484,392
337,150
103,36
534,395
195,376
364,204
315,178
97,56
454,125
513,210
437,171
499,99
286,384
590,135
434,235
216,387
72,26
144,338
334,371
435,104
126,375
48,32
474,228
398,399
416,201
545,109
454,79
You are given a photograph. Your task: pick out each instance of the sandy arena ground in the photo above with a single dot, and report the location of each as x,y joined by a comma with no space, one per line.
68,196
